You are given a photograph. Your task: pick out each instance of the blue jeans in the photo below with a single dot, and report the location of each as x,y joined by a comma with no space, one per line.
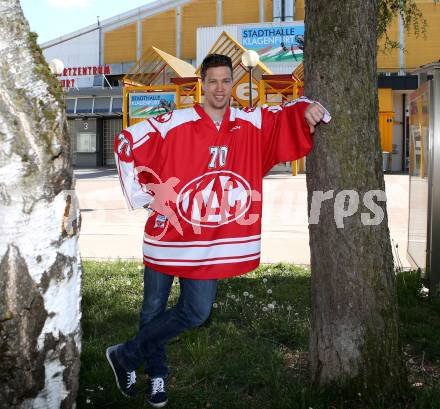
159,325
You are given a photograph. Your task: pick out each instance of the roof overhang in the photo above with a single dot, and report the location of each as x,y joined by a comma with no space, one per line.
157,67
427,68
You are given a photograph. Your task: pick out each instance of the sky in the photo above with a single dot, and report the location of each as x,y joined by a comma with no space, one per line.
53,18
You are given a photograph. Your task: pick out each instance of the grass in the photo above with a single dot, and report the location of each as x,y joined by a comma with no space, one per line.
252,352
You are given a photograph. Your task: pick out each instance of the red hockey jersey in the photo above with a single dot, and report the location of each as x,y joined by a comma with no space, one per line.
203,185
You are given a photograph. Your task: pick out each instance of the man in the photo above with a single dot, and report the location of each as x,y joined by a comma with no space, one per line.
199,171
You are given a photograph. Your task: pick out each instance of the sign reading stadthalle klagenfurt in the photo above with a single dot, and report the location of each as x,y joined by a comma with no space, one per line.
275,43
144,105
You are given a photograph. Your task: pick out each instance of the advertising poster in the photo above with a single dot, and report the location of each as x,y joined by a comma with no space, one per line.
275,44
151,104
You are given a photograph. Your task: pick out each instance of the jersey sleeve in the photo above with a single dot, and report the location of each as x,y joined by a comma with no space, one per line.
285,133
135,149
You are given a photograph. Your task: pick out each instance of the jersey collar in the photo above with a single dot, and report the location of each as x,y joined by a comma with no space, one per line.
206,118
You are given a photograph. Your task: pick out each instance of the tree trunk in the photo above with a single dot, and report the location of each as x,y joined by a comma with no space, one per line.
39,270
354,340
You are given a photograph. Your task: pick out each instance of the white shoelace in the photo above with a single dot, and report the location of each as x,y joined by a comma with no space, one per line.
157,385
131,378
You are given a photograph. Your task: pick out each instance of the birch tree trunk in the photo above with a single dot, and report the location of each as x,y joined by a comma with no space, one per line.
355,334
39,270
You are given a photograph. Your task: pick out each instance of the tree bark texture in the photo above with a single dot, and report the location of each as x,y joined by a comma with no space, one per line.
355,335
39,270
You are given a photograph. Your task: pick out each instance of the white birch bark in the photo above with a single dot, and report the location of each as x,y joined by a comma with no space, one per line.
40,275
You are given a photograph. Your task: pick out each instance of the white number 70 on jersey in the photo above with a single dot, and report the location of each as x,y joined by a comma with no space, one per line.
218,154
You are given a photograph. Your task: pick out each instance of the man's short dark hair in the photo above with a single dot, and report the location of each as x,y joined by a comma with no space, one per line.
215,60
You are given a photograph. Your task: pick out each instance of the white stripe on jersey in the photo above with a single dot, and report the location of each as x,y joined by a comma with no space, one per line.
202,253
254,116
134,195
178,117
327,116
139,132
200,242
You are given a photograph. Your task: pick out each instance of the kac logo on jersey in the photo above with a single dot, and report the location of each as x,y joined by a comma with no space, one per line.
164,117
124,145
214,199
249,109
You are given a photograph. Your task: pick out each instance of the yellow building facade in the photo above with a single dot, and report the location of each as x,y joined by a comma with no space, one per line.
416,50
173,30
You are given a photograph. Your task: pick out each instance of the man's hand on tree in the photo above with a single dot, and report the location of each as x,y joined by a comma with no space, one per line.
313,115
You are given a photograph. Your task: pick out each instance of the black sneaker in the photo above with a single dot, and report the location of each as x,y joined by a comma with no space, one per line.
126,380
157,395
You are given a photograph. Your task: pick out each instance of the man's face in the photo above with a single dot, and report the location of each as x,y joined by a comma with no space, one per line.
217,87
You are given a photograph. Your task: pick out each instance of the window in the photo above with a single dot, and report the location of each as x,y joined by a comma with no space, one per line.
111,128
102,105
70,105
84,105
117,105
86,142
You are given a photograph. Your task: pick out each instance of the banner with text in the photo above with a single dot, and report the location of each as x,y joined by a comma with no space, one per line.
144,105
275,44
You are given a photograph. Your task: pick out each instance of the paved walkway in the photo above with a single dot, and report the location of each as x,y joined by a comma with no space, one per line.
110,231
